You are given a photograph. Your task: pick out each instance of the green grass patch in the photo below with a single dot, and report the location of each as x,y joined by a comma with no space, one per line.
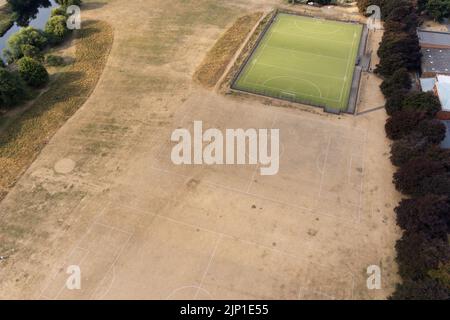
304,60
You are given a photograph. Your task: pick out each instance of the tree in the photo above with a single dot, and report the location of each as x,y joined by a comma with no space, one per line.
413,178
32,52
32,72
437,184
398,50
433,129
424,289
26,10
56,29
428,214
402,123
438,9
12,90
417,254
364,4
442,274
399,81
67,3
422,101
436,153
410,147
394,101
401,17
25,37
59,11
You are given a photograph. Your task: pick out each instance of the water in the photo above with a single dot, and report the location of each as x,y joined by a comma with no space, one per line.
36,19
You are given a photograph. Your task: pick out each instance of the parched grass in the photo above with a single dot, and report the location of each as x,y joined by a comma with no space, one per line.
245,53
23,139
218,58
6,19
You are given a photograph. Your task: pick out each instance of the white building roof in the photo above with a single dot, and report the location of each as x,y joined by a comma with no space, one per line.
427,84
443,88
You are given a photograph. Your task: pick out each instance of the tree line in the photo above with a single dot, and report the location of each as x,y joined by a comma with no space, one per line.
423,168
436,9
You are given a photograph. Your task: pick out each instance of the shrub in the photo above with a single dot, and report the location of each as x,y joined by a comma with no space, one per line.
434,130
417,254
56,29
32,72
427,214
54,61
12,89
402,123
60,11
410,147
422,101
413,178
20,40
32,52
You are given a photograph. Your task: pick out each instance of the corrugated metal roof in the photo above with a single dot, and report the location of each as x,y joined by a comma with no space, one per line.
436,60
434,38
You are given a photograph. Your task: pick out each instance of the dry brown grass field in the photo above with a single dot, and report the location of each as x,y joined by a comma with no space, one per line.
103,193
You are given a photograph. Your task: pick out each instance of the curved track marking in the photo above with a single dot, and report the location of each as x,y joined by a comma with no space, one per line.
298,79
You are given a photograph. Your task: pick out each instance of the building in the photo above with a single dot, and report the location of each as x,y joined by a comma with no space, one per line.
440,85
434,39
435,52
442,90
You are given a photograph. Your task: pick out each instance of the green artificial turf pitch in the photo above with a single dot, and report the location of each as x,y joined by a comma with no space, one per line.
305,60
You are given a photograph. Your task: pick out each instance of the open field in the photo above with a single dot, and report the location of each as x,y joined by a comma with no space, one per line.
104,194
304,59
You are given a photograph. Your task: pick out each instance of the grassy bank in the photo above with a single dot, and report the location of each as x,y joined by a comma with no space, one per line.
218,58
23,139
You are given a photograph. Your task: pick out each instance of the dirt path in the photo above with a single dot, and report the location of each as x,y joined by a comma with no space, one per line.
105,196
